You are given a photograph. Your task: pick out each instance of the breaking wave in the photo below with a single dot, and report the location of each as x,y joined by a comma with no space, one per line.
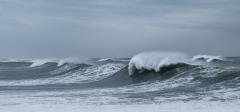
158,61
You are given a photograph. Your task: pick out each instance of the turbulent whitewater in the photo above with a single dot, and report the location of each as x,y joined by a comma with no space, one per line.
149,81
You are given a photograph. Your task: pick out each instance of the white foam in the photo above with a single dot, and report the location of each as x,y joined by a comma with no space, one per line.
156,60
207,58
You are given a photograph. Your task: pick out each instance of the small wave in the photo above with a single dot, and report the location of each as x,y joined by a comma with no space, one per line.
59,62
113,60
40,62
207,58
73,60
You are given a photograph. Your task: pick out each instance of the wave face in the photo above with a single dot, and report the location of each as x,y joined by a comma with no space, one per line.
147,80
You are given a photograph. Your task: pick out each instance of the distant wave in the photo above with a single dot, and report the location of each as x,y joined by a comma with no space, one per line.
158,60
113,60
207,58
104,59
60,62
39,62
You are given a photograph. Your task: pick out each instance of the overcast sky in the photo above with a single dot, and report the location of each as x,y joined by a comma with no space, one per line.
118,28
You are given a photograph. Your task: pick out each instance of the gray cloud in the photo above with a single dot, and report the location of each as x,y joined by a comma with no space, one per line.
114,28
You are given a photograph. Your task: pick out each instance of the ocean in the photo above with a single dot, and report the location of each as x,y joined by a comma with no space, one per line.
152,82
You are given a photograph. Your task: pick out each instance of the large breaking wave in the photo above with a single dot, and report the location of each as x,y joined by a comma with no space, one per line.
158,61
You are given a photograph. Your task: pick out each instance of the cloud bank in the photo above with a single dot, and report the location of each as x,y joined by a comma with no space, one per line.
117,28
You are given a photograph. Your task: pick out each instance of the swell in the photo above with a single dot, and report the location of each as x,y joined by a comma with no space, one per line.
65,74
